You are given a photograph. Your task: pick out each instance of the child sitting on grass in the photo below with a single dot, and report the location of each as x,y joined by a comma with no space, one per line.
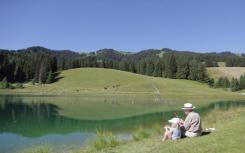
173,132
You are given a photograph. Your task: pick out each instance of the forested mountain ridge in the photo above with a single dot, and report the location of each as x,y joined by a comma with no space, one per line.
39,64
114,55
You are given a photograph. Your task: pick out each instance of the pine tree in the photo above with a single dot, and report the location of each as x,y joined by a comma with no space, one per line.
201,72
193,70
143,67
54,64
226,83
234,85
123,66
223,82
242,81
132,67
197,71
50,78
182,70
170,66
211,82
157,70
149,68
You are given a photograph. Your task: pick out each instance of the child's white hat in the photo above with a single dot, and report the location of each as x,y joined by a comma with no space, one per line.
174,120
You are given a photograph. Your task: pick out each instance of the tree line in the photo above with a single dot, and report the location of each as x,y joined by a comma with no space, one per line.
235,84
41,65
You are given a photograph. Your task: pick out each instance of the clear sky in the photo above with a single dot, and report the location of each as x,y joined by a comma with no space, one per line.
126,25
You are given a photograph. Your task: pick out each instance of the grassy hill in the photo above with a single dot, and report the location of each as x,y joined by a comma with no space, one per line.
96,81
229,72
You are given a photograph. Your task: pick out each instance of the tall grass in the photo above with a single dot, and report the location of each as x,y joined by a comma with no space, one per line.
104,140
157,129
140,134
39,149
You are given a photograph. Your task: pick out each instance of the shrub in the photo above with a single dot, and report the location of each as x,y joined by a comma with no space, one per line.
19,85
223,82
105,140
235,85
4,85
157,129
140,134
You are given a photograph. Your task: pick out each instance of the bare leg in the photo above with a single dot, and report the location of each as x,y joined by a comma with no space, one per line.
167,134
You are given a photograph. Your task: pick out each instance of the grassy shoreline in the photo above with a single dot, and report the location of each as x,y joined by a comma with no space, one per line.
227,138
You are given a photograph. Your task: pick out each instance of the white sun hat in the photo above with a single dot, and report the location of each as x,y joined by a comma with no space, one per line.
188,106
174,120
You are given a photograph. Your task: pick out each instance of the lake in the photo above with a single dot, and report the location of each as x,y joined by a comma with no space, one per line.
71,122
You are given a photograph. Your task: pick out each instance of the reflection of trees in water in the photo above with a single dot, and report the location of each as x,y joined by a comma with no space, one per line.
15,112
36,119
23,118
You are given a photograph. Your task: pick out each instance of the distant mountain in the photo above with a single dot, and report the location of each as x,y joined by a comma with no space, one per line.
36,49
114,55
110,54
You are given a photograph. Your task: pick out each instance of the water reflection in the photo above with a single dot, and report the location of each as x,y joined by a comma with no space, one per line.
38,119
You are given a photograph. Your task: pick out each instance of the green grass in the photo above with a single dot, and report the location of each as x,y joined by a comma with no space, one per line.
140,134
95,81
228,137
39,149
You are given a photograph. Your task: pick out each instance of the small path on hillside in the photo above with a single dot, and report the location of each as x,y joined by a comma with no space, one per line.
157,91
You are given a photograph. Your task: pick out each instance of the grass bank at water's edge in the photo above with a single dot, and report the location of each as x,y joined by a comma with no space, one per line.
228,137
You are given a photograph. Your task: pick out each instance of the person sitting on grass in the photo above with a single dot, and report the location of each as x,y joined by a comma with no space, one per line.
192,126
173,132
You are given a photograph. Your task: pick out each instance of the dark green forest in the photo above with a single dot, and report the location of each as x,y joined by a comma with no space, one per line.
41,65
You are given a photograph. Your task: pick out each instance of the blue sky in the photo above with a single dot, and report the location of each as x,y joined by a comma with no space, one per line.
126,25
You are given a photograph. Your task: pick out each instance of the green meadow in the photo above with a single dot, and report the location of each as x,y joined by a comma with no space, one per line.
97,82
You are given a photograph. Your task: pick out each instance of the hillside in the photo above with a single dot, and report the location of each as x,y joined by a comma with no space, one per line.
107,81
216,72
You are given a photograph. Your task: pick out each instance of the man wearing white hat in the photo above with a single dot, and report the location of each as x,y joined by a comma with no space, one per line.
192,124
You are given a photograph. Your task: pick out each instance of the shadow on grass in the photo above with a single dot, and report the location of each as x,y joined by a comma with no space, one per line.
56,77
205,133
